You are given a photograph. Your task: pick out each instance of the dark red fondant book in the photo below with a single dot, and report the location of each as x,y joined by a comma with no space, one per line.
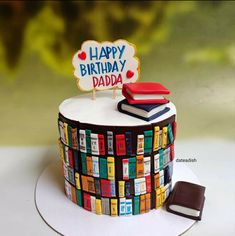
187,199
145,93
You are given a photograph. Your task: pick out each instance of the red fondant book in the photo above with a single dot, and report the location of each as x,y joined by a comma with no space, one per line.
145,93
71,161
87,201
101,144
148,183
105,188
120,145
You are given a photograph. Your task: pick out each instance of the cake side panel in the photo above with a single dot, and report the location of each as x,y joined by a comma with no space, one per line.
117,170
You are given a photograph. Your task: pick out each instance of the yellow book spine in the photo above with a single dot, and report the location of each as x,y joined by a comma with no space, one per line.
66,136
61,150
163,190
164,137
114,204
121,188
158,198
111,168
98,207
156,138
77,180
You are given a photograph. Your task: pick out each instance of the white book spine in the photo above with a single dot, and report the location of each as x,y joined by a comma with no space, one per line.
125,169
128,207
95,166
122,206
142,186
93,206
68,190
94,144
82,140
140,144
66,156
156,163
110,142
161,173
147,166
137,183
61,128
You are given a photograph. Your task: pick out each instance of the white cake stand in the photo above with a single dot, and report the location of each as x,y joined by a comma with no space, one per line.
68,219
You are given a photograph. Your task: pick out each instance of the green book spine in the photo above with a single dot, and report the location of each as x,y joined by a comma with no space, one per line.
148,141
84,167
88,141
170,133
132,168
136,205
161,162
79,197
103,168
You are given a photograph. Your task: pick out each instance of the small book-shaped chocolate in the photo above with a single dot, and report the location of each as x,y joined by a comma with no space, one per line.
187,199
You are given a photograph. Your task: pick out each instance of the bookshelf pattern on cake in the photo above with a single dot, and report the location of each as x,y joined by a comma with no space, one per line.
117,171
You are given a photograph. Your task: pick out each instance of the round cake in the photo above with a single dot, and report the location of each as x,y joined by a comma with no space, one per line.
113,163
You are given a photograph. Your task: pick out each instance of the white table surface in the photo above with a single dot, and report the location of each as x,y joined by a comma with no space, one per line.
215,167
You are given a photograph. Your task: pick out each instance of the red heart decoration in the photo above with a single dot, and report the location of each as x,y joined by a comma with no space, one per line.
82,55
129,74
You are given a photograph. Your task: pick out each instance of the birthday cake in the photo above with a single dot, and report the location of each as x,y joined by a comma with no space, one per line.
115,163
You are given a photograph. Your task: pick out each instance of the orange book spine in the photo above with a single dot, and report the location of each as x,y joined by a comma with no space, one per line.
140,166
142,204
89,165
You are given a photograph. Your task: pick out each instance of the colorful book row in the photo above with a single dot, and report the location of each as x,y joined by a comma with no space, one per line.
122,206
117,144
102,167
124,188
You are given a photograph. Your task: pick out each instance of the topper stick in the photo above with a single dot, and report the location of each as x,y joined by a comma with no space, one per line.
93,94
114,92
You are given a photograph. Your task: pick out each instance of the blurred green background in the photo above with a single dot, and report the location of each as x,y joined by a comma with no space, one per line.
187,46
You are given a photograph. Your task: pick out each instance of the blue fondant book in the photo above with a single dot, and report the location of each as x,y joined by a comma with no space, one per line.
145,112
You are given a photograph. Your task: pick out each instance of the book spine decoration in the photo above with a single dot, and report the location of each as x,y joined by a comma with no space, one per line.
110,142
120,145
117,174
128,138
88,140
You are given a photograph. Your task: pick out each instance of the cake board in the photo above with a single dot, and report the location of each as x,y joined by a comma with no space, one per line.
66,218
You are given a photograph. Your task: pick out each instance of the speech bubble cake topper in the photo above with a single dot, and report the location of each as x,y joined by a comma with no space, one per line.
105,65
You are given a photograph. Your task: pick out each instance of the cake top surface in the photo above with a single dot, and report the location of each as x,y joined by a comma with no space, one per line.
103,110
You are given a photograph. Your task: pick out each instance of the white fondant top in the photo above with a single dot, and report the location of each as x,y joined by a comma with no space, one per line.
103,110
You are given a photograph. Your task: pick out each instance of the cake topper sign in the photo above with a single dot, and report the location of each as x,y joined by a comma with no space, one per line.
105,65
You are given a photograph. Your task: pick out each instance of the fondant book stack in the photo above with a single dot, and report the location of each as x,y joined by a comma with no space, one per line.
144,100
